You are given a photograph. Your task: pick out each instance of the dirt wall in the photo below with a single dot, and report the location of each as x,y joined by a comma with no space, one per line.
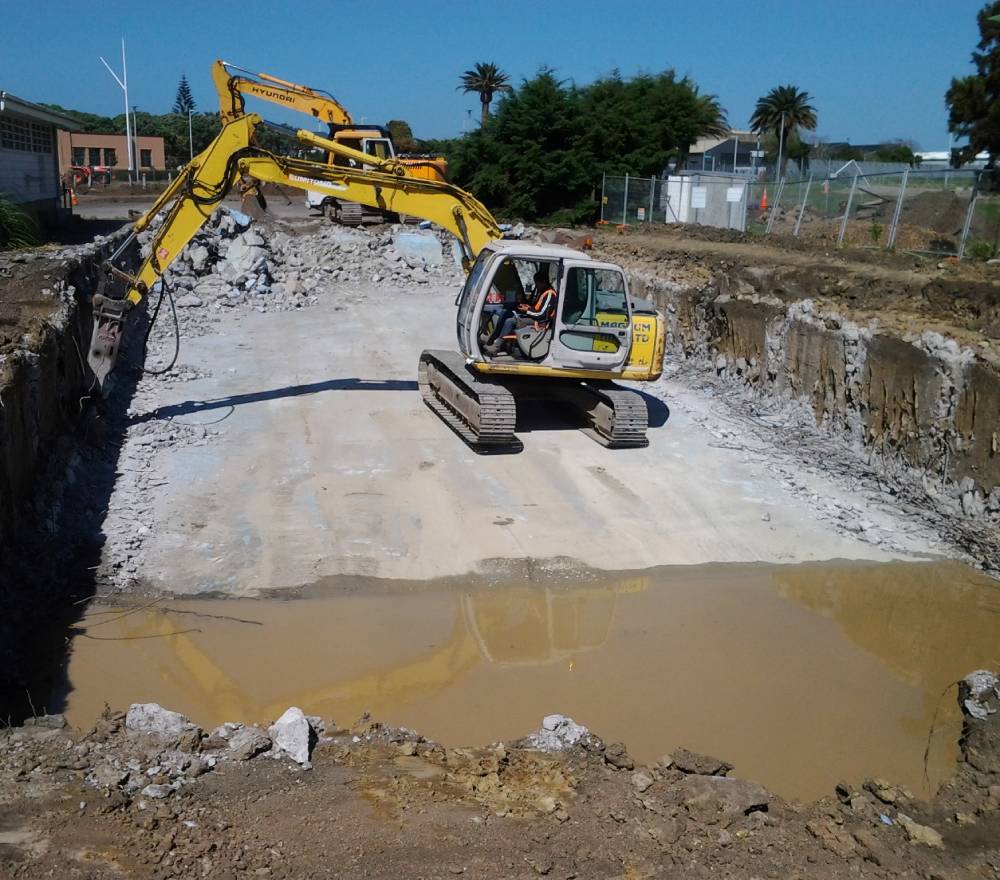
43,379
54,483
926,401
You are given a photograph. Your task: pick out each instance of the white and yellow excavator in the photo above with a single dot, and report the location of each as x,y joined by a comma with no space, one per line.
594,333
233,84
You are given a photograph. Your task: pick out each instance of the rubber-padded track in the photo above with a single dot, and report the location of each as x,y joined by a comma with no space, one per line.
629,418
482,413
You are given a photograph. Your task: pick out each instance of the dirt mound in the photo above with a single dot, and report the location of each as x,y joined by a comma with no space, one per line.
149,795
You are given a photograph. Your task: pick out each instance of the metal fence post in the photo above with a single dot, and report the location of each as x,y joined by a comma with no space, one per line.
968,217
773,212
625,203
802,207
604,178
652,190
847,211
890,243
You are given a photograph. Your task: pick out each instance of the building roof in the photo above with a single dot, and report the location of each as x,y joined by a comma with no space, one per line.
703,145
13,104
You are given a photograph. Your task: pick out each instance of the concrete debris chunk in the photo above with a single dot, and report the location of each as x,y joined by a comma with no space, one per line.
920,833
558,732
153,718
697,764
720,794
292,735
157,791
49,722
247,742
980,692
616,755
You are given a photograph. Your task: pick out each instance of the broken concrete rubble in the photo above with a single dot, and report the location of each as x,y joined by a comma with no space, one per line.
152,718
293,736
563,813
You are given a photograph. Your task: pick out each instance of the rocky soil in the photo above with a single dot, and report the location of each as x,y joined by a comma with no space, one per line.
148,794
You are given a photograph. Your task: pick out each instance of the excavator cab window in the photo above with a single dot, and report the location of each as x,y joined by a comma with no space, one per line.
594,299
379,147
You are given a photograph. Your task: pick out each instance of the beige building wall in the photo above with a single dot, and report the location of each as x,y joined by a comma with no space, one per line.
82,148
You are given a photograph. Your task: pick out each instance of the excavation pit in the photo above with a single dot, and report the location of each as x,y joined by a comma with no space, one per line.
800,675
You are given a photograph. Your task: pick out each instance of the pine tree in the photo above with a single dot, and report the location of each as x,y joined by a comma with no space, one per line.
184,102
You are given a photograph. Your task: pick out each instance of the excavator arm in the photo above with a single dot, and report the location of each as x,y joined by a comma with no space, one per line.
233,156
232,83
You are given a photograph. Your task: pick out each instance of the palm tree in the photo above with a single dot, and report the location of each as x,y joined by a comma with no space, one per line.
712,119
486,79
782,109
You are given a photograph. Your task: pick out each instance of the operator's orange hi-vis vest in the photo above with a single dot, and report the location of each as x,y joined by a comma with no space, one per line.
544,306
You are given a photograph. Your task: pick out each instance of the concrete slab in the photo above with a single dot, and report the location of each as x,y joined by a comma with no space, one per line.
330,464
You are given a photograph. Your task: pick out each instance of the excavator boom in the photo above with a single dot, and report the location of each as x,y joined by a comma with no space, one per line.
232,83
206,181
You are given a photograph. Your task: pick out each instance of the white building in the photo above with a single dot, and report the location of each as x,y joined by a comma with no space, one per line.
29,160
942,159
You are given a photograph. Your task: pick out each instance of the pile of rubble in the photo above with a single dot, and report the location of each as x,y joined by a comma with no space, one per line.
150,792
233,262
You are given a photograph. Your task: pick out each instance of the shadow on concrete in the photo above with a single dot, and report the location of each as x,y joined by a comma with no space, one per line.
659,412
539,415
189,407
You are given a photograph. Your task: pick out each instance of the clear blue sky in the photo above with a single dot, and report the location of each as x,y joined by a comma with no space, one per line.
876,71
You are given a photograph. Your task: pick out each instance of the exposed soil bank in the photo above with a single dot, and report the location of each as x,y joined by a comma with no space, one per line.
858,344
44,333
152,796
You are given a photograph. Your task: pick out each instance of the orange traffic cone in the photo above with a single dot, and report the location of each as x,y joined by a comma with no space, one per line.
73,200
763,200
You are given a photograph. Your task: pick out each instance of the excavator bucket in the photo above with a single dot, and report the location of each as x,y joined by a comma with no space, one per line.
109,319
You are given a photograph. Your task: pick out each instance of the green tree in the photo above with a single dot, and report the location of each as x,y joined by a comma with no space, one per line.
402,136
974,101
487,80
528,161
784,109
184,102
639,125
897,152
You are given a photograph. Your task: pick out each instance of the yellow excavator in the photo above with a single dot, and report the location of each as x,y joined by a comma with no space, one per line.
233,84
595,333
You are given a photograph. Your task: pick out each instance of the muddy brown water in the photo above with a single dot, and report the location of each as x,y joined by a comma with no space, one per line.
800,675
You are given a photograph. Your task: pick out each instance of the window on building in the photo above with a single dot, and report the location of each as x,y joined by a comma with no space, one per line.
14,134
79,156
146,158
30,137
95,155
41,138
110,157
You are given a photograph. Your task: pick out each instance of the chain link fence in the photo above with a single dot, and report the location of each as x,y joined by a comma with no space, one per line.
705,199
946,212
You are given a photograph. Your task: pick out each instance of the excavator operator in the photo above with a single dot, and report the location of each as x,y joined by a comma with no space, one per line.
539,313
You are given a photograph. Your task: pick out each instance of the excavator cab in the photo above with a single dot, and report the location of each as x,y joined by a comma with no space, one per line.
589,329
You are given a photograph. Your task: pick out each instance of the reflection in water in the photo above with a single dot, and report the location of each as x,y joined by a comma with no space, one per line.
927,624
801,675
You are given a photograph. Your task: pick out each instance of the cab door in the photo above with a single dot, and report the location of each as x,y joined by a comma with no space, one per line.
593,328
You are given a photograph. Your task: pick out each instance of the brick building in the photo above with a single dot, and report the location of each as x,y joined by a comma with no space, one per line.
29,161
84,148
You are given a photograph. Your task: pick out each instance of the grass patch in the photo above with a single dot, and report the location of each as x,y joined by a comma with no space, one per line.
17,228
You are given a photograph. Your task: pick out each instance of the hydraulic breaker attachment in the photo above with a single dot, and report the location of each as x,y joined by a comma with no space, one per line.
109,320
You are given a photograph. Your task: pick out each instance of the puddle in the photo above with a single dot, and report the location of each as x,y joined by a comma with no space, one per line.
801,676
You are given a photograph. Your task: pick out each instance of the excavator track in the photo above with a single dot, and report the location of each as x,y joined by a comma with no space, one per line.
616,417
482,413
